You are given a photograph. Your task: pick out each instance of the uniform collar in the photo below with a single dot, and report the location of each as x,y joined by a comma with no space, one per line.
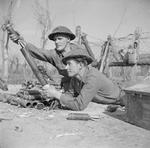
62,53
83,78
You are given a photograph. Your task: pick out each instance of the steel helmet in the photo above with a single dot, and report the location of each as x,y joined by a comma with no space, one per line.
61,30
78,53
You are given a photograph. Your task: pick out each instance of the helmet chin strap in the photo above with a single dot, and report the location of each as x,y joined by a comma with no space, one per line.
81,72
67,47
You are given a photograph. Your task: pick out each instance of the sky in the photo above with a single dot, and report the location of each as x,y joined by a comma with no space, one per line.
98,18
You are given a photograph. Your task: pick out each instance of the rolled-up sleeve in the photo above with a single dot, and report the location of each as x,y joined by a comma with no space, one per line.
88,91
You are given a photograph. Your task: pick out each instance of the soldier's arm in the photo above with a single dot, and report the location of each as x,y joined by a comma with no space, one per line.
87,93
41,54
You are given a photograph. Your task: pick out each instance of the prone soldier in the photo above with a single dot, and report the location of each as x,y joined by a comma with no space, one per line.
87,83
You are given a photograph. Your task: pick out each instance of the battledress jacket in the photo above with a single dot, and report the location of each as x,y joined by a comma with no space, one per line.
81,92
52,56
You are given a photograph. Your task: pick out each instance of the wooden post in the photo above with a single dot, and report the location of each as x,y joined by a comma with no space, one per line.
81,38
136,52
78,34
87,46
105,54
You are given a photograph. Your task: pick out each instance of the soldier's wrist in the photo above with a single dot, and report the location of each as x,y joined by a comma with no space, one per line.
58,95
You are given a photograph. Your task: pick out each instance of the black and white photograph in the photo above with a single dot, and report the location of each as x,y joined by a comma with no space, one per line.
74,73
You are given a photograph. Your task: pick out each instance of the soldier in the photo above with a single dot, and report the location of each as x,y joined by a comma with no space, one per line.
61,36
87,83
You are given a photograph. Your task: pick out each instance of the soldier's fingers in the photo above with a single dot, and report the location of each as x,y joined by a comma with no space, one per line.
13,37
45,87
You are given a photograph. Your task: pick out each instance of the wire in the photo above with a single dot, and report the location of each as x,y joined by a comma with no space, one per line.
121,20
95,38
145,44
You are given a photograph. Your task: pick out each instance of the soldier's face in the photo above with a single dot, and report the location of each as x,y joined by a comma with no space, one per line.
73,67
61,42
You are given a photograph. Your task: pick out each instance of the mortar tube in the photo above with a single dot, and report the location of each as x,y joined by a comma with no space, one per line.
37,105
22,102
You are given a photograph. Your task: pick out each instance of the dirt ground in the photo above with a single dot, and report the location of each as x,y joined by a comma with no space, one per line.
32,128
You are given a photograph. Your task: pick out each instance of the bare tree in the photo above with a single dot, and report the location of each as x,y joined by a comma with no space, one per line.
44,20
5,40
11,64
17,64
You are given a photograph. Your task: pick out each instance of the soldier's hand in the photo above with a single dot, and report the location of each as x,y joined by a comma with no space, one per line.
51,91
15,37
